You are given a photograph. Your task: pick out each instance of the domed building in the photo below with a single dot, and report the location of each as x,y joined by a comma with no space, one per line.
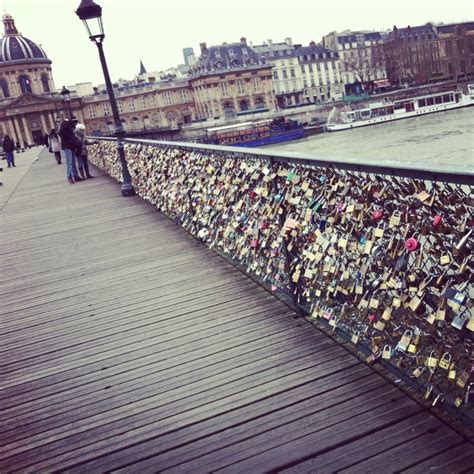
29,103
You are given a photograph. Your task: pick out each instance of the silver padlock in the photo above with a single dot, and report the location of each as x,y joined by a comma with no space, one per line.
469,397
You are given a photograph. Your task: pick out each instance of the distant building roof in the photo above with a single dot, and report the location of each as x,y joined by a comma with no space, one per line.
420,32
314,52
351,37
226,57
451,28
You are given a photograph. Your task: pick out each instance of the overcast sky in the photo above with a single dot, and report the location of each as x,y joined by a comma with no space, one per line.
156,31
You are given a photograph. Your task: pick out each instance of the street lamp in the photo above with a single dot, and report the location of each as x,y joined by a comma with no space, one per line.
91,15
67,98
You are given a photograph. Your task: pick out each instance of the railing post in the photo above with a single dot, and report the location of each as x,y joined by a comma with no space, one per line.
281,221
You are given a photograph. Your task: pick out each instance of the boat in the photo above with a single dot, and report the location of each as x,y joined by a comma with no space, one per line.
388,110
257,133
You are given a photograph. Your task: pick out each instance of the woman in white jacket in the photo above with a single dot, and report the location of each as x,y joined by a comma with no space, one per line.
54,143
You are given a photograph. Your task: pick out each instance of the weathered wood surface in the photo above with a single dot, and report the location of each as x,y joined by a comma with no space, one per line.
127,345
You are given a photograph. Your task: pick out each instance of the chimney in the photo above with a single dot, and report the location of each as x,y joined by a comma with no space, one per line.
203,47
312,43
270,43
289,41
243,40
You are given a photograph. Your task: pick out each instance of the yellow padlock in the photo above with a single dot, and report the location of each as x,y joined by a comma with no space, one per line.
445,361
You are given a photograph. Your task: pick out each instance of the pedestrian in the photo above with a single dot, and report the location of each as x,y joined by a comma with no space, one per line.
54,144
69,144
81,151
9,147
46,140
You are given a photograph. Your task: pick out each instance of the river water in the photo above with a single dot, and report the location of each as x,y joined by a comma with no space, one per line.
440,141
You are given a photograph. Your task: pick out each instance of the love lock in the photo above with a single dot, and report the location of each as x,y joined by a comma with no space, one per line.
411,244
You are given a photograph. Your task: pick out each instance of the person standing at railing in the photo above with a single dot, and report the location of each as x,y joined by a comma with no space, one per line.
81,151
69,144
55,145
9,148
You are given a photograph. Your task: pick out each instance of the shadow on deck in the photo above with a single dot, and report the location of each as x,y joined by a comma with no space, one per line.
126,344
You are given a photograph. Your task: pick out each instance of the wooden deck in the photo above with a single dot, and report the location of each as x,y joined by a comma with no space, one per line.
127,345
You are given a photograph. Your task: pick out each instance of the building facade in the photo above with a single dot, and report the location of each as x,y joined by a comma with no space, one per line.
361,57
321,72
29,104
412,55
144,107
231,80
456,50
286,72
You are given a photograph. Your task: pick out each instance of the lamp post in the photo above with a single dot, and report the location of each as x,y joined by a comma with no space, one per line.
67,98
91,15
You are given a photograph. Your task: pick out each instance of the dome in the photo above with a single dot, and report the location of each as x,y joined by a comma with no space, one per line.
15,47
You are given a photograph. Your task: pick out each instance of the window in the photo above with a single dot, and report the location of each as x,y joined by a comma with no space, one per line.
4,88
224,89
135,123
105,109
310,67
302,68
244,105
183,94
45,83
241,86
91,111
292,72
257,85
275,75
25,84
285,74
120,106
259,103
131,105
168,98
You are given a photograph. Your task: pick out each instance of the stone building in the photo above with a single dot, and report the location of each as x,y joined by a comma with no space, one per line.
287,75
456,50
145,108
412,55
321,73
229,80
29,103
361,58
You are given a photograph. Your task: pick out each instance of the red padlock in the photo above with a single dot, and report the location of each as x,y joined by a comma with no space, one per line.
411,244
437,220
376,214
254,243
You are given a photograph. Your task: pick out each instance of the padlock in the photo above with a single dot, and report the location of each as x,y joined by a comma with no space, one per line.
432,361
355,337
387,352
404,341
469,396
445,361
411,244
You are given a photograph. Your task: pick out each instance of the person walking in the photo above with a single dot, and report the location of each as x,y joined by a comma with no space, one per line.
81,151
9,147
54,144
69,144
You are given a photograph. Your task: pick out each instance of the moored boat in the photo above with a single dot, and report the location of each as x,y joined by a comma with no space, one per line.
253,134
387,111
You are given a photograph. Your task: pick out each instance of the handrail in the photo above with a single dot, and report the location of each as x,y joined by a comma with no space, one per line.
432,173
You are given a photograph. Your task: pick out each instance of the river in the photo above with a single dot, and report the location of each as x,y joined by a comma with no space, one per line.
444,140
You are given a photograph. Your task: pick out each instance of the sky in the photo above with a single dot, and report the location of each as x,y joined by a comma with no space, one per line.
156,31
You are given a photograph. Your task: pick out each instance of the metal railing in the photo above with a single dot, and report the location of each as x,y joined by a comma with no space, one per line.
380,254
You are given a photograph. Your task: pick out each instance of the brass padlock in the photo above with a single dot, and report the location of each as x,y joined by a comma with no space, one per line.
445,361
432,361
387,352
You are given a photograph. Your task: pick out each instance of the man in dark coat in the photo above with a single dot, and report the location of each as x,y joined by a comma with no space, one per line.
9,148
69,144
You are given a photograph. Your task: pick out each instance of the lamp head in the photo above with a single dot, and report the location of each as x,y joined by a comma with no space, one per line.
91,15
